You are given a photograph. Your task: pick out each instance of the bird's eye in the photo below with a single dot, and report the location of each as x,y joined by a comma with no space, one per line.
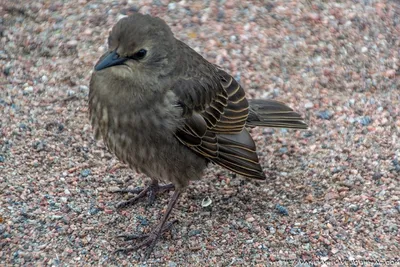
140,54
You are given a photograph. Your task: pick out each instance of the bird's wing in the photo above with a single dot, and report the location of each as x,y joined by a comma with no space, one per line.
215,113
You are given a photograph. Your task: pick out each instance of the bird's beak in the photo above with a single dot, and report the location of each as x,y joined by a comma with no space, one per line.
112,59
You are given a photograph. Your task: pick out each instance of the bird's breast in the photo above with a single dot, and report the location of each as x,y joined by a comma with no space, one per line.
134,135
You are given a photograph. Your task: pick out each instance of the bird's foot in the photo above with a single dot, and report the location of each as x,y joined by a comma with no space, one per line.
150,240
151,191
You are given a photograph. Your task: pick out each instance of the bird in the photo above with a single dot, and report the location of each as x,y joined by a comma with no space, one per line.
164,110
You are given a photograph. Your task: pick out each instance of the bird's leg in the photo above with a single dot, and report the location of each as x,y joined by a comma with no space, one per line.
151,191
152,238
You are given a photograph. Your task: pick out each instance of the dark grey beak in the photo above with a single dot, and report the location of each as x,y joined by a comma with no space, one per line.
112,59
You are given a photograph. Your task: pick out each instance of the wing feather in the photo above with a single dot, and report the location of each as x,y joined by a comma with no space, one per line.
215,114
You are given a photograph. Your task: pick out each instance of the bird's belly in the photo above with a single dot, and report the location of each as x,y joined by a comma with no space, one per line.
152,149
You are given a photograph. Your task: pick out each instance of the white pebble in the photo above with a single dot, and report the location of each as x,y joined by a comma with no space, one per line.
83,88
70,92
348,23
206,202
28,89
171,6
364,49
308,105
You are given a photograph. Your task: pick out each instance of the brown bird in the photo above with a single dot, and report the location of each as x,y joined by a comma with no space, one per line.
163,109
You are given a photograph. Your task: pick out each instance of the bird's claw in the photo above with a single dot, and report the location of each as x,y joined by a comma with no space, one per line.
150,240
151,191
128,237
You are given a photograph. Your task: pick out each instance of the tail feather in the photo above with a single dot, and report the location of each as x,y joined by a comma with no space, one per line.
272,113
237,152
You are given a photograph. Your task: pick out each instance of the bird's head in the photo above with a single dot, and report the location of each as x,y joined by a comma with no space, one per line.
139,42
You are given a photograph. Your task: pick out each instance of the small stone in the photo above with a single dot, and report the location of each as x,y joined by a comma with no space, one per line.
283,150
272,230
113,189
56,217
143,221
308,105
365,120
7,70
364,49
325,115
331,195
93,211
194,232
390,73
250,219
39,146
70,92
219,252
353,207
314,16
2,228
171,6
206,202
83,88
377,176
281,210
295,231
85,172
72,43
108,211
28,89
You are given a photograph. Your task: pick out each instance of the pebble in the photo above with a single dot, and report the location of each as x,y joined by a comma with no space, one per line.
194,232
29,89
206,202
390,73
325,114
72,43
281,210
308,105
113,189
85,172
250,219
353,207
271,229
70,92
365,120
295,231
172,6
83,88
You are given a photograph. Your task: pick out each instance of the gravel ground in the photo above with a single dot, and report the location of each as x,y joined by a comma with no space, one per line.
332,191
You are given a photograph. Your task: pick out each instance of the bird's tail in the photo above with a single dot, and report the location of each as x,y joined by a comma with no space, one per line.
271,113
